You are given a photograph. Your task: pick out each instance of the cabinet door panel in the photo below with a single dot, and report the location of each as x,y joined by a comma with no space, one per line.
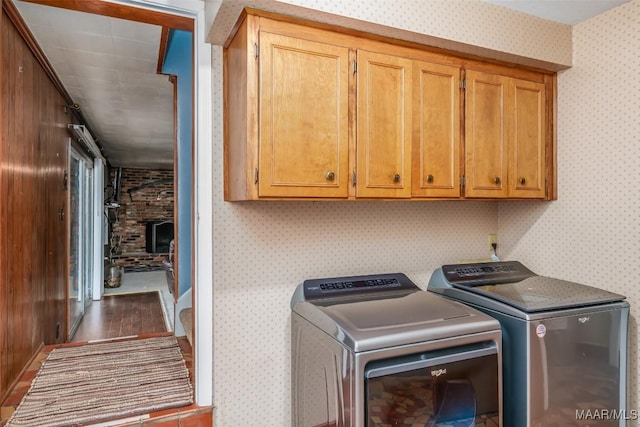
486,156
384,126
526,170
436,131
303,118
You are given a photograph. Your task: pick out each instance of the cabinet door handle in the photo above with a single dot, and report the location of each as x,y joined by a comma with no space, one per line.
331,176
523,181
430,179
396,177
497,180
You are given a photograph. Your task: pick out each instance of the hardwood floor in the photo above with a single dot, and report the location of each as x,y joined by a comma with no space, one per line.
122,316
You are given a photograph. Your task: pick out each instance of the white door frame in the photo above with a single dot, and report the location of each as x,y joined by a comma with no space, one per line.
202,191
99,220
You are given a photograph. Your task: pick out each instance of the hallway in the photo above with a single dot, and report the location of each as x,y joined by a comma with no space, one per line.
137,309
141,305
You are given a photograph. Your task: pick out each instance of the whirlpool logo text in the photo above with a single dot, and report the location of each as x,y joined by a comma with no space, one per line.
438,372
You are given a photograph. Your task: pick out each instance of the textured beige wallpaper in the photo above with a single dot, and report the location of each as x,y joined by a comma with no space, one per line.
592,233
470,26
262,250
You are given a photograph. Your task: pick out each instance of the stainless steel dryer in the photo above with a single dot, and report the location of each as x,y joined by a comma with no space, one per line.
564,343
377,350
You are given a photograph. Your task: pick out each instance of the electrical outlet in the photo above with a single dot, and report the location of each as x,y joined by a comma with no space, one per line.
492,239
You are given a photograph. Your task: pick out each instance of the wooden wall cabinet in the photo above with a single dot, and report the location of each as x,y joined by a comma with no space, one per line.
505,137
436,131
384,125
303,142
320,114
300,140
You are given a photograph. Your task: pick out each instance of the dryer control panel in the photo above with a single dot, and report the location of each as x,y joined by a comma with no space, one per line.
488,273
343,286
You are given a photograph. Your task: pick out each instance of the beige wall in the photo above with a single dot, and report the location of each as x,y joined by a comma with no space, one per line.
592,233
470,26
263,250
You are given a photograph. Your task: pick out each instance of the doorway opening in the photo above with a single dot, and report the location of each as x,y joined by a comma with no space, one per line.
109,70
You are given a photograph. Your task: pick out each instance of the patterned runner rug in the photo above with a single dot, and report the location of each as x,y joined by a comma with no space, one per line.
105,381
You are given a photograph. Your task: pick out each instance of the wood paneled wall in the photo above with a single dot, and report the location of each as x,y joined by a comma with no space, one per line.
33,230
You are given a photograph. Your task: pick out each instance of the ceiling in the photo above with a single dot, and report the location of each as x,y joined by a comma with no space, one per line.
108,67
570,12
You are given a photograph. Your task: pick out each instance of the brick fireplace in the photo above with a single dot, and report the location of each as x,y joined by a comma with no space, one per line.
146,196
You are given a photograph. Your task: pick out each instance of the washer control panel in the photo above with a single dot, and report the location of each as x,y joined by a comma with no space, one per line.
342,286
486,273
